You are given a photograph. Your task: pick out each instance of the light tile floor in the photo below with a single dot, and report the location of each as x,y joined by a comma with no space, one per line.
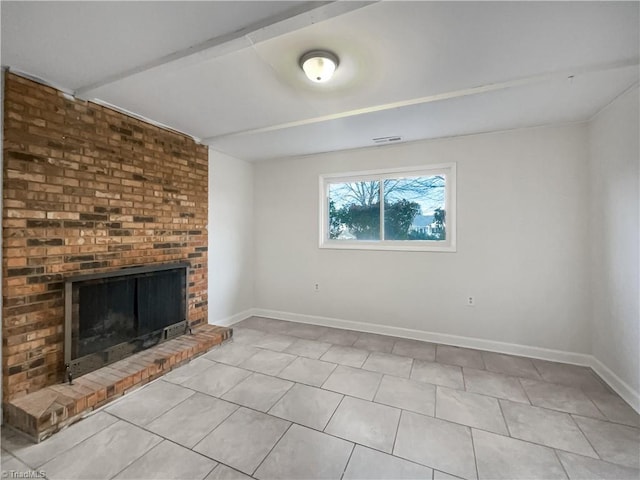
292,401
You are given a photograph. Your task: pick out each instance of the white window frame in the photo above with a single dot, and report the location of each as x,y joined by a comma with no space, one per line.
448,170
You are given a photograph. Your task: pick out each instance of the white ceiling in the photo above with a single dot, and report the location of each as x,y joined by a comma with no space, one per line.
227,72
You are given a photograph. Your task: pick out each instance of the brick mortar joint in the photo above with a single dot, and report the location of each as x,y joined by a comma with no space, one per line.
65,403
49,161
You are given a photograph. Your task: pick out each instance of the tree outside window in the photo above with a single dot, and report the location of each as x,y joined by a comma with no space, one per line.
389,208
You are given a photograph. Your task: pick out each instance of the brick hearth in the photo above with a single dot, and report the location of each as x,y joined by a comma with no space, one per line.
46,411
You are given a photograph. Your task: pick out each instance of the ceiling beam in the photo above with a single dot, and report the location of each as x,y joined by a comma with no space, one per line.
293,19
560,75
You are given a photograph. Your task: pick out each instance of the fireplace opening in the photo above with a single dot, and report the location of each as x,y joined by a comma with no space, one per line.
112,315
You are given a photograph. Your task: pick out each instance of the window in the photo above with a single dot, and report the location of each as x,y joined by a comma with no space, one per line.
399,209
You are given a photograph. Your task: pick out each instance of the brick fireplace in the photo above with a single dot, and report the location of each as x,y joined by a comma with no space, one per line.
87,190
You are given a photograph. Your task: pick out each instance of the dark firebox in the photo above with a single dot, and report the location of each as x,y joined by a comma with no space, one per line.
112,315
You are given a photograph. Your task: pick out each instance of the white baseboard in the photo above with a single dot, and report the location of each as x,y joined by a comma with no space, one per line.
625,391
238,317
446,339
621,387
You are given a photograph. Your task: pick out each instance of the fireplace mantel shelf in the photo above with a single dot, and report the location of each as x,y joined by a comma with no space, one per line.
42,413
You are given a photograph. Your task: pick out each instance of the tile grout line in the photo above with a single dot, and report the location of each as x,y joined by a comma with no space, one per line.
309,384
464,380
471,429
395,437
504,418
484,365
520,378
396,339
179,403
475,456
435,413
585,436
501,435
563,412
191,449
536,368
530,404
581,390
72,446
239,405
608,462
464,424
350,441
293,384
332,415
346,465
596,405
413,362
377,387
450,365
411,371
135,460
555,452
353,441
291,424
365,360
248,358
209,432
526,394
211,471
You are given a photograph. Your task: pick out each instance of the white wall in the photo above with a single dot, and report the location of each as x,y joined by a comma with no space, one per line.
230,237
615,227
522,243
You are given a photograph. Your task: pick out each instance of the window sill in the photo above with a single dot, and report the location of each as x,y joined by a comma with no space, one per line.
415,246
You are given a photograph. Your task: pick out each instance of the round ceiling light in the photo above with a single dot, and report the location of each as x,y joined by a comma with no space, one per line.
319,65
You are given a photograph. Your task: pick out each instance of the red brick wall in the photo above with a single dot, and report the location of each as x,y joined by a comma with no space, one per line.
87,189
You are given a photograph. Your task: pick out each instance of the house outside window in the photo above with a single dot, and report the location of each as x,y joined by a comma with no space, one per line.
392,209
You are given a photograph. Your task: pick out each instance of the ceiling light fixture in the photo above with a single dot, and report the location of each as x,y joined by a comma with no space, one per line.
319,65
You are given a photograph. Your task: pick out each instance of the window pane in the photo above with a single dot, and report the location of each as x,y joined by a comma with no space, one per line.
414,208
354,211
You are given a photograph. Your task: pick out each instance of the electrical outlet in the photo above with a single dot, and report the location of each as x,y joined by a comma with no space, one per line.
316,288
471,301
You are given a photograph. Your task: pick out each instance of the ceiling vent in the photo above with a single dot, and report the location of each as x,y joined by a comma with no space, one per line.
381,140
